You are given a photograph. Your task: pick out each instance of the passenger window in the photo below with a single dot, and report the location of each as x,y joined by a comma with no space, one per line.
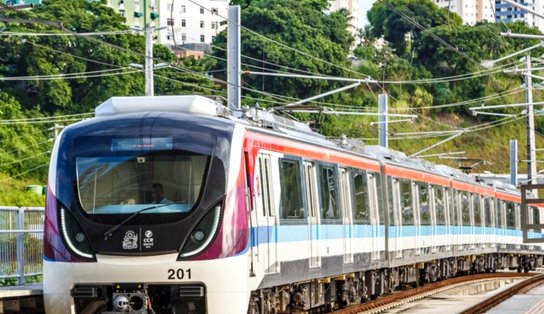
510,215
488,213
378,178
328,191
439,205
477,210
407,211
392,201
454,214
291,205
465,208
361,210
498,213
425,212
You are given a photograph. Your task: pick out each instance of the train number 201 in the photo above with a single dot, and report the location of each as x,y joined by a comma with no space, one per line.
179,274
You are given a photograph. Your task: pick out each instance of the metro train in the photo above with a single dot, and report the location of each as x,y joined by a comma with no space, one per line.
264,215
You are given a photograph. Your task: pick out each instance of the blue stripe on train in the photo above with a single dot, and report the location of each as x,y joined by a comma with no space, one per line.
293,233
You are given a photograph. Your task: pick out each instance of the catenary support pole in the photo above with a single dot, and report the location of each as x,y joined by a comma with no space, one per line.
514,162
233,57
383,119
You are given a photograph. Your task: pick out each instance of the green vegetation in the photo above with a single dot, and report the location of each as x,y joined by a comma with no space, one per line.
297,36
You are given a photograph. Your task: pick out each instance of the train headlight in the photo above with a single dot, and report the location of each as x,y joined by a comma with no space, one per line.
73,235
203,233
198,235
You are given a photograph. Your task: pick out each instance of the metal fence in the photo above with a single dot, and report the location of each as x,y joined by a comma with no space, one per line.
21,245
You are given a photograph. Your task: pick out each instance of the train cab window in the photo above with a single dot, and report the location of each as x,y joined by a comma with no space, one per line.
477,210
465,208
328,192
361,208
425,210
291,205
488,212
124,184
510,215
406,203
439,205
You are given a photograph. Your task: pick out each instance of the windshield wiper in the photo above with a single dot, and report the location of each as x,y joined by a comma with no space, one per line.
110,231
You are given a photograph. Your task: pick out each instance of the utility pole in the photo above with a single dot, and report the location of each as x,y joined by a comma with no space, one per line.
234,89
531,151
514,162
148,60
383,127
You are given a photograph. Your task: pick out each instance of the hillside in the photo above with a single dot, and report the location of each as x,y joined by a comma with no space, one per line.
51,81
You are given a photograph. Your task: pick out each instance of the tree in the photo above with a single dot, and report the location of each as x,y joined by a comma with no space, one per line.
395,19
301,25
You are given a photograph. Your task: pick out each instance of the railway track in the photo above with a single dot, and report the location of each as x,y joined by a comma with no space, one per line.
399,298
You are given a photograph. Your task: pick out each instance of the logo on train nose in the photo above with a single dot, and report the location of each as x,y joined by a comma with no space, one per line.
130,241
148,240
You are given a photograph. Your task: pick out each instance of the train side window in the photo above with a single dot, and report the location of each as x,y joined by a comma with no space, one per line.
510,215
291,205
454,213
498,213
393,201
424,208
406,203
487,212
477,210
361,208
328,192
265,185
465,208
518,218
439,205
379,203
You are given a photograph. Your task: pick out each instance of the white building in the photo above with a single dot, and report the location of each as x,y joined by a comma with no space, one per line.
508,13
183,20
352,6
470,11
187,22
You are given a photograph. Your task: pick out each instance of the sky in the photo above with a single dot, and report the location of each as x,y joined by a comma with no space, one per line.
365,5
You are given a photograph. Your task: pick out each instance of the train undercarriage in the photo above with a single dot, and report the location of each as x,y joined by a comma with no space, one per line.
327,294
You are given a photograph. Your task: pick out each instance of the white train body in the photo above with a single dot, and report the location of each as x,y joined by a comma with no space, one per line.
258,215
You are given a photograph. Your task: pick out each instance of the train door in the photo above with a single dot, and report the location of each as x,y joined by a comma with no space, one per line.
347,217
466,219
504,225
420,215
447,228
266,218
374,216
313,213
489,221
439,221
431,199
396,222
473,197
517,233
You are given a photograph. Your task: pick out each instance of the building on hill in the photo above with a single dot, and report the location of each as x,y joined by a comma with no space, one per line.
470,11
180,21
509,13
353,8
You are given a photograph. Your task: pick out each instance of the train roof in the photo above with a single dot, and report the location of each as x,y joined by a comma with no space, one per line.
258,119
181,104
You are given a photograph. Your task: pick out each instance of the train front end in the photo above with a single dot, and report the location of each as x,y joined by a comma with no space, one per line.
145,212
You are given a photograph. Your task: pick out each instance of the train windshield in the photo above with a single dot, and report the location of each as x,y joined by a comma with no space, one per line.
127,181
